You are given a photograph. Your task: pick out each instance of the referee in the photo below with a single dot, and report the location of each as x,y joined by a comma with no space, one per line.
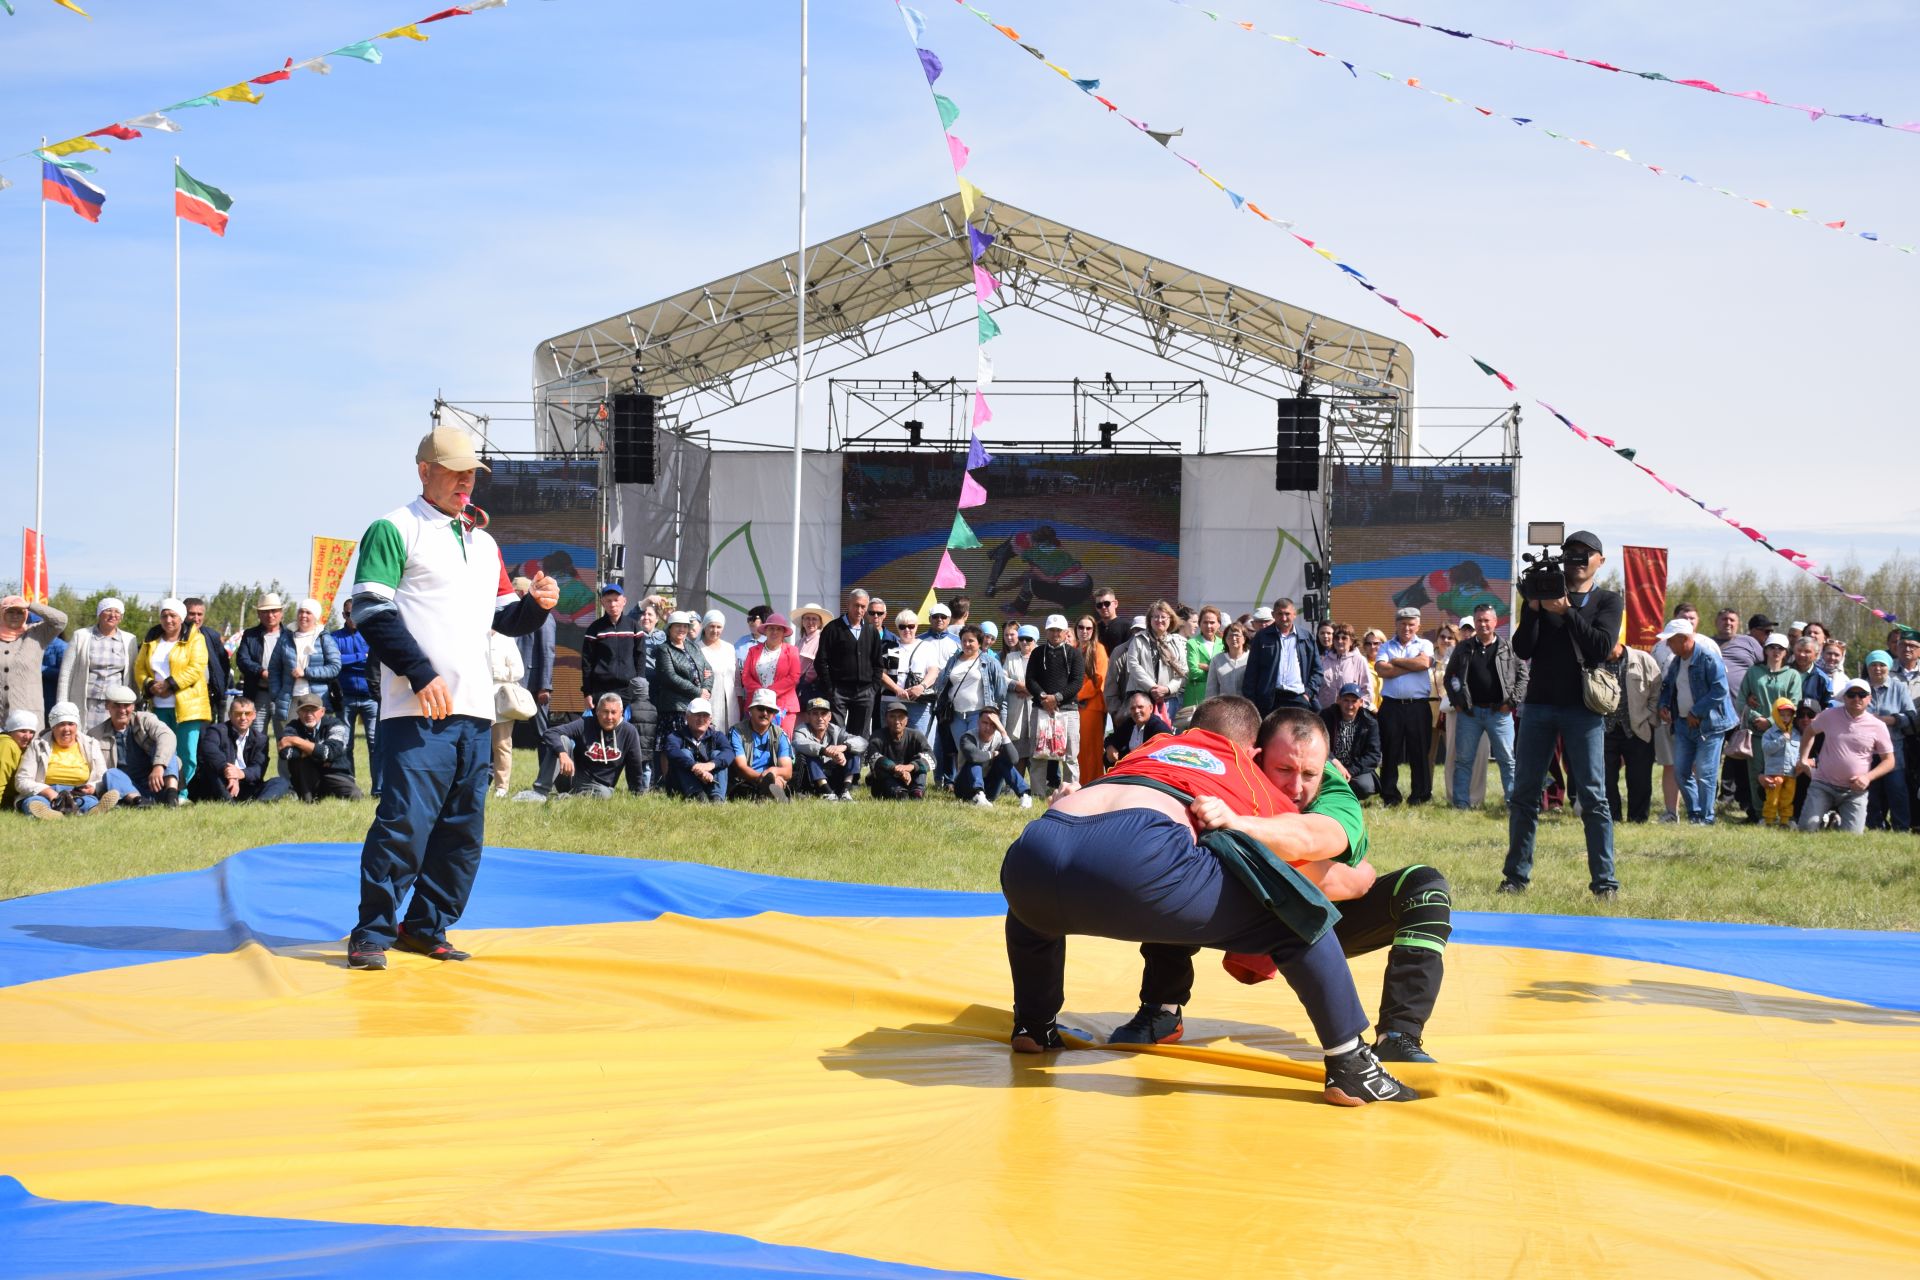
429,587
1405,667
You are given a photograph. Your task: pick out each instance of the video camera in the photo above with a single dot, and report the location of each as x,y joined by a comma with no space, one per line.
1545,574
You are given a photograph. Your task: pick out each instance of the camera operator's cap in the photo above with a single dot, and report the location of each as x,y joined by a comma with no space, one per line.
1408,612
1776,639
271,600
1056,622
939,611
67,713
1676,627
765,698
306,700
612,589
451,448
1351,690
1591,541
1759,620
1851,685
1263,614
20,718
1029,632
820,704
699,707
121,694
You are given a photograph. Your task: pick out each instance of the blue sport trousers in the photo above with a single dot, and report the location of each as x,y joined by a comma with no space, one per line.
423,848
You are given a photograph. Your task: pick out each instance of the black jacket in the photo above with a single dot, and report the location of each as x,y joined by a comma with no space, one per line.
612,656
1507,667
1365,754
246,659
217,752
329,754
1113,632
1547,642
910,748
600,755
1123,730
846,661
1059,671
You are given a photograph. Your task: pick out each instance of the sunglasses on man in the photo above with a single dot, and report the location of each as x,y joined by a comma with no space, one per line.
1858,693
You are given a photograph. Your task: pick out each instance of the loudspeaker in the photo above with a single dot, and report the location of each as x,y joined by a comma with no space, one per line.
631,439
1297,446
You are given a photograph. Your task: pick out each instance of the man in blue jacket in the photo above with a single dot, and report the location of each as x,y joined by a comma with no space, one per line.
356,698
1283,665
1695,701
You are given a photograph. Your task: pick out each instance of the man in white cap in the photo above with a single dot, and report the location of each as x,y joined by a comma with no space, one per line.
428,587
1404,665
698,755
1055,672
97,658
1695,700
23,651
254,658
762,752
1851,737
143,763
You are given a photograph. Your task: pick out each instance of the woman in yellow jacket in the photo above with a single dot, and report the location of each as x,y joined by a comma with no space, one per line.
172,672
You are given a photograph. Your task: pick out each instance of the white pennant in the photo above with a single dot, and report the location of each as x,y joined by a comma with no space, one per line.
314,64
153,120
983,377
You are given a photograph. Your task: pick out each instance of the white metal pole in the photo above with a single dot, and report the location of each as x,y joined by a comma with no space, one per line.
40,427
800,330
173,561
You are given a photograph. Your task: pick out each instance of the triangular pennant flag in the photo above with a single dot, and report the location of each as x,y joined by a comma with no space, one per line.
956,152
971,197
962,536
983,372
926,606
977,455
154,120
458,11
978,241
930,63
242,92
971,495
4,184
361,49
1628,454
314,64
916,23
275,77
1492,372
948,574
69,4
408,32
67,162
984,285
72,145
1165,139
989,327
982,413
1086,86
119,131
948,111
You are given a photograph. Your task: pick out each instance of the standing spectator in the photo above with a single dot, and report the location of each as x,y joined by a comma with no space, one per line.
219,661
21,729
826,757
355,693
1630,730
1444,643
847,665
972,681
142,763
756,616
723,665
1153,661
1341,664
1908,673
1203,647
989,763
1892,705
1833,668
1663,732
98,658
1259,620
1227,673
23,650
314,757
504,654
680,671
1851,739
1813,681
590,755
171,670
916,666
1093,698
811,619
63,771
1370,641
1019,701
1323,636
1561,639
1136,727
762,754
1695,701
1818,631
1739,653
1283,665
1765,683
1113,629
699,756
536,655
1487,682
1779,753
1055,674
1406,714
962,613
50,661
254,657
899,758
1353,738
233,760
774,665
612,651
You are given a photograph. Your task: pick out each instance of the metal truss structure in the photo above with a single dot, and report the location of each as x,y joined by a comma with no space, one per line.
1108,414
726,343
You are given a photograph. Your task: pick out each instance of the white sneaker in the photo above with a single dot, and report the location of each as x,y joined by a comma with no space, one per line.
1026,801
980,798
845,797
499,793
827,797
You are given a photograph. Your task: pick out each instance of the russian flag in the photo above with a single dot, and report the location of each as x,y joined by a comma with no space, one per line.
65,187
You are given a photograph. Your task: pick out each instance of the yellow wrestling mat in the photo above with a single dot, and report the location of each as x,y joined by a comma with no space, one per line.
842,1084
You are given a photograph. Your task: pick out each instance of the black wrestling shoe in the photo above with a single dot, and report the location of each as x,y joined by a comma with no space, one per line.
1400,1046
1150,1025
1036,1039
1354,1079
366,957
432,948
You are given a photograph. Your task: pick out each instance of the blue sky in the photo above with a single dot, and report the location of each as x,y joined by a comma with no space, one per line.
417,227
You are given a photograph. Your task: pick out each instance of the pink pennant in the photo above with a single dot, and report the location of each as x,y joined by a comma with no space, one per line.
983,283
972,493
981,413
1708,85
1753,95
949,574
1605,441
958,150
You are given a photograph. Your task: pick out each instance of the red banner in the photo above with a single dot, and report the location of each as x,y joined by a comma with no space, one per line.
33,566
1646,570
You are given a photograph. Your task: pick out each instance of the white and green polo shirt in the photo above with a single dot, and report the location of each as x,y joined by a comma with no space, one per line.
446,580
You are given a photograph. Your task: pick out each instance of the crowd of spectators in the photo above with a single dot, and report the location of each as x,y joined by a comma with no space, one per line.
872,701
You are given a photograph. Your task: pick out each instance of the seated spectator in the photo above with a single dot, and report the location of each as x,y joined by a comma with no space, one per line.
762,753
606,746
314,756
233,760
698,756
1851,738
1353,738
989,763
899,758
1137,725
142,764
22,728
826,756
63,771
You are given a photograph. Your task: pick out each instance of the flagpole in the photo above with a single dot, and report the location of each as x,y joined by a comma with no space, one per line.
799,326
173,563
40,426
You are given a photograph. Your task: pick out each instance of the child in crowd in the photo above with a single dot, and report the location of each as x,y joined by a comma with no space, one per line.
1779,753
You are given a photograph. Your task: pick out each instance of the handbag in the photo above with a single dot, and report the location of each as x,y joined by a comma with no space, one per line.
513,702
1598,687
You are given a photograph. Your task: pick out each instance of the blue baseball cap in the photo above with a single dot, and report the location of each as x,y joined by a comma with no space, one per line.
612,589
1352,690
1029,632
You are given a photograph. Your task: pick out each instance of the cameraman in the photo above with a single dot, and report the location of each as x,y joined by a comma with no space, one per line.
1548,635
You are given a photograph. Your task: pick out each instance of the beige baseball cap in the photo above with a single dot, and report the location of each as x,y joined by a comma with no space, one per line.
451,448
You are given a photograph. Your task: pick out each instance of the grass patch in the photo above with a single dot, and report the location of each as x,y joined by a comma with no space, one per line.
1730,872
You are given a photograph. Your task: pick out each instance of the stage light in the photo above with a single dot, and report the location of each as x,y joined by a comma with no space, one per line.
1107,430
914,428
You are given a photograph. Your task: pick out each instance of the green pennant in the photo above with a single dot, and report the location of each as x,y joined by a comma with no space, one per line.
962,534
948,112
1628,454
989,329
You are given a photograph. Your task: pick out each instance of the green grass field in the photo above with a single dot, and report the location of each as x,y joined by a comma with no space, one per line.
1730,872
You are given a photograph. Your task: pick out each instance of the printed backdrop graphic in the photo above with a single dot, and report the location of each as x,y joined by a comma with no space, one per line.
1439,538
1057,528
544,513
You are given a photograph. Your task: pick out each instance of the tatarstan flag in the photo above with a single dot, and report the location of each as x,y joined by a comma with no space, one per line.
197,202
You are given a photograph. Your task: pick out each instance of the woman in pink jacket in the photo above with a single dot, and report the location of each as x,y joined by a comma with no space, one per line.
774,664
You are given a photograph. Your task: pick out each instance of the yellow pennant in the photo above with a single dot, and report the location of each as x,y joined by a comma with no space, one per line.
970,195
72,145
408,32
242,92
69,4
926,606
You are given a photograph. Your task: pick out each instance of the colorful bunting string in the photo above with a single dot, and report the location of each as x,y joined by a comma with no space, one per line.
1706,86
1356,71
244,91
1241,203
985,285
68,5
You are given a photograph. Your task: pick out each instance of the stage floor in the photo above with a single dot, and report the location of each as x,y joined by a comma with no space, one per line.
672,1069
